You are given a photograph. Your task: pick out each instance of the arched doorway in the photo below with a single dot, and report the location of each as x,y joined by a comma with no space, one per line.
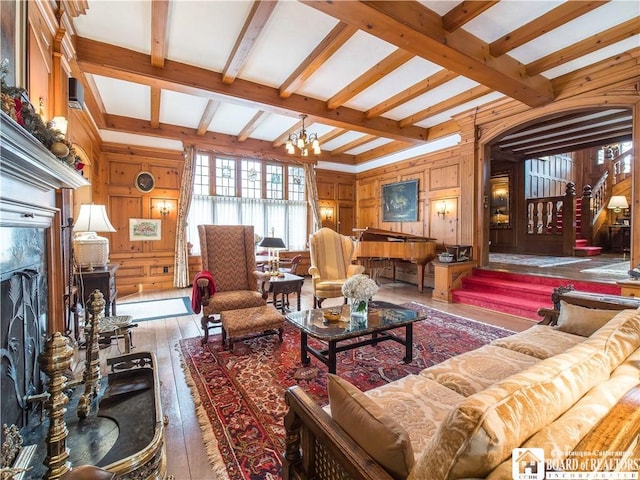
503,146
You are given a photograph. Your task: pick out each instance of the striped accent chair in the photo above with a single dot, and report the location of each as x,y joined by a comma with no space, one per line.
331,264
228,253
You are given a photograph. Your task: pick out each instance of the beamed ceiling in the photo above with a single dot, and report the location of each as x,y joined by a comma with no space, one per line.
380,81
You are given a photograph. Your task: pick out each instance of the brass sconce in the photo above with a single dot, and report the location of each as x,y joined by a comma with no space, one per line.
164,208
442,209
327,213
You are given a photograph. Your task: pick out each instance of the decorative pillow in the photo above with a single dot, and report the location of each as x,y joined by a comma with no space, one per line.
366,422
581,320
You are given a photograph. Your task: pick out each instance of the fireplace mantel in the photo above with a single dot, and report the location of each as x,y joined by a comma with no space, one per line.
26,160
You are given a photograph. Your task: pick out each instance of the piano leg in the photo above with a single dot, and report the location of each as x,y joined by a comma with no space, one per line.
420,276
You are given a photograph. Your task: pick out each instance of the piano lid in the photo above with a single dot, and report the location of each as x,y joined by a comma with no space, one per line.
370,234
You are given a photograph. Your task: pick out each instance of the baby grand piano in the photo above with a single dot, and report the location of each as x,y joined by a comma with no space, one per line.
376,248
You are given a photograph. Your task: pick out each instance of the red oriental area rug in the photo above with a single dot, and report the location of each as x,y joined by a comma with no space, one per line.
239,395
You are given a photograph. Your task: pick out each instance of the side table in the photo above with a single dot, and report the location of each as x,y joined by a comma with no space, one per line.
281,287
103,279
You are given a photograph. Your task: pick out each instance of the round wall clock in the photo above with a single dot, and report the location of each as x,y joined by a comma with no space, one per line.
145,182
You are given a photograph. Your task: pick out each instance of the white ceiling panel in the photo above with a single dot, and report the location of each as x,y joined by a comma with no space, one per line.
378,142
506,16
177,109
231,119
448,115
203,33
124,98
123,23
400,79
598,20
344,67
274,57
597,56
437,95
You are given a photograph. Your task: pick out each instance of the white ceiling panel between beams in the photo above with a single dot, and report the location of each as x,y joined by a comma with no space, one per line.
344,67
230,119
205,40
274,57
400,79
177,109
124,98
124,23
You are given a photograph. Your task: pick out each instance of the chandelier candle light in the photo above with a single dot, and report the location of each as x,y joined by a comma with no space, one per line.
359,288
303,141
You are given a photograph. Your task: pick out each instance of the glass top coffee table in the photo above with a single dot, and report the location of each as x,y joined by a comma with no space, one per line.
382,318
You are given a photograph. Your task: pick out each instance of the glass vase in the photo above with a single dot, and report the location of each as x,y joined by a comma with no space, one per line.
360,308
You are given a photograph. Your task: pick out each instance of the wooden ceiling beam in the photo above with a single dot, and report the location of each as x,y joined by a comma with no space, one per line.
371,76
569,144
353,144
588,45
415,28
256,20
222,142
570,136
159,31
155,107
551,20
452,102
123,64
284,136
250,127
383,150
325,49
441,130
335,133
597,142
207,116
414,91
464,12
513,140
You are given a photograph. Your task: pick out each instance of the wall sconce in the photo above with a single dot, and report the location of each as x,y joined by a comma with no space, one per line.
442,209
327,214
164,208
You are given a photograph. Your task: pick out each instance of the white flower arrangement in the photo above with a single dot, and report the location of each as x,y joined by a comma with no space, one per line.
359,286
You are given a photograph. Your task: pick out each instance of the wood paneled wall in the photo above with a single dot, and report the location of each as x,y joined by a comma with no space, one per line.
337,200
439,183
144,265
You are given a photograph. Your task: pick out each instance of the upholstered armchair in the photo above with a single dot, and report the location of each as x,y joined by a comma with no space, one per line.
228,253
331,264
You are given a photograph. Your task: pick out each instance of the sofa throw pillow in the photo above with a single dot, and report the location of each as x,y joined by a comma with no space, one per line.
581,320
366,422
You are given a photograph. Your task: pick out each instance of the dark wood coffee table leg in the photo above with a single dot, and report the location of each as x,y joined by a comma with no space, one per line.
408,338
304,358
332,356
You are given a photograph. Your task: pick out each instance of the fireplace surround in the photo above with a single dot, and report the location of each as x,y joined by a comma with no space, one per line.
33,283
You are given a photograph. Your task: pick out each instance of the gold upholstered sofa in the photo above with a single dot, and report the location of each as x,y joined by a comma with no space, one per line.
563,395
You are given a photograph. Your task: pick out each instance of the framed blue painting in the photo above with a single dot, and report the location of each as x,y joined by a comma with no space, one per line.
400,201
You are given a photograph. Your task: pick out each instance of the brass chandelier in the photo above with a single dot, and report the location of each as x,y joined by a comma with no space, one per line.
303,141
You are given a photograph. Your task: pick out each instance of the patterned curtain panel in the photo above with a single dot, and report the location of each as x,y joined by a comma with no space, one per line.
312,195
181,266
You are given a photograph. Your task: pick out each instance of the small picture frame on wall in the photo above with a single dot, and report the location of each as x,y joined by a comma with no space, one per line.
144,229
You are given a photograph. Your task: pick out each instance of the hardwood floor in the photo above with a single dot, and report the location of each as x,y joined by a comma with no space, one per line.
187,458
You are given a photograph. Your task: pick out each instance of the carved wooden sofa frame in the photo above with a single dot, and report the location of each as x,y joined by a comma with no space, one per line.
317,448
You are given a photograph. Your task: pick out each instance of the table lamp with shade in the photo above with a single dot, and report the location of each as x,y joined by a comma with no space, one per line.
91,250
617,203
273,244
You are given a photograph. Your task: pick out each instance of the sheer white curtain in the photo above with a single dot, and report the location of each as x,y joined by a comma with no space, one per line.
287,218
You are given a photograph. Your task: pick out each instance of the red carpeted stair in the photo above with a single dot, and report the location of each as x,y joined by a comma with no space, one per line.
582,247
518,294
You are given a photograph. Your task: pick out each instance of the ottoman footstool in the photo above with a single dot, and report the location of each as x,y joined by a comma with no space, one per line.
259,321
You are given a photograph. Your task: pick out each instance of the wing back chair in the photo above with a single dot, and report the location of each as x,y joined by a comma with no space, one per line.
228,253
331,264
